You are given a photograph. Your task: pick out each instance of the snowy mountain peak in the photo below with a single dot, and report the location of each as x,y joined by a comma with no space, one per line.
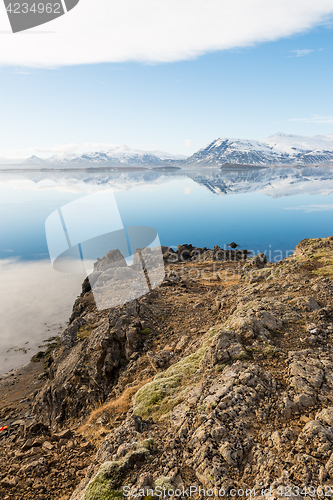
34,160
278,149
117,156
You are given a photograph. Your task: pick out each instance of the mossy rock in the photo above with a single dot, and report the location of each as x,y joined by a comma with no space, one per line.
99,489
84,332
169,388
321,255
146,331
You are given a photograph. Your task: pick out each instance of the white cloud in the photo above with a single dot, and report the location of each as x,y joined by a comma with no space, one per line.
156,30
188,143
188,190
314,119
301,52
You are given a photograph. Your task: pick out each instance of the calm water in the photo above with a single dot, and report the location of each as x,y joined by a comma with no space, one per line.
266,210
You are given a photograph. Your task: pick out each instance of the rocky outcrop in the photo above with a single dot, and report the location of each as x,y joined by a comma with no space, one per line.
201,382
95,347
250,409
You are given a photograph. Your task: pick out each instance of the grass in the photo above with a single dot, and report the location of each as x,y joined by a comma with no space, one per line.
108,412
322,258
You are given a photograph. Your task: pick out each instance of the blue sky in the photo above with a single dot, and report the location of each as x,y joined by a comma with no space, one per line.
173,106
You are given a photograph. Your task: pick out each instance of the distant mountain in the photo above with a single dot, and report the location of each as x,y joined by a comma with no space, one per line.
279,149
119,156
34,160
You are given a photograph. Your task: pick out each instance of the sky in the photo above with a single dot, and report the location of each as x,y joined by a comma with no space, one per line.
165,81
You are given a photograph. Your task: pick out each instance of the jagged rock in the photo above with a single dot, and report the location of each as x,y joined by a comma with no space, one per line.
259,261
224,348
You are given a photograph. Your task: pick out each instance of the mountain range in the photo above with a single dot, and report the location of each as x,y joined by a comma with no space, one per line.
279,149
121,155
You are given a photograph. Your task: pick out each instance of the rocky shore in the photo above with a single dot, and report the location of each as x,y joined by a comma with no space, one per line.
221,377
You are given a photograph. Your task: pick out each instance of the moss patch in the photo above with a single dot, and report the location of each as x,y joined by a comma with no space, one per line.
99,489
320,253
169,388
84,332
146,331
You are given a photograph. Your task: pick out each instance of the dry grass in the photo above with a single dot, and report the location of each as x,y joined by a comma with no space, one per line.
103,418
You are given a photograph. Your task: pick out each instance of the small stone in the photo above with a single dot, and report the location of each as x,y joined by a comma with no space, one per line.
27,445
47,445
65,434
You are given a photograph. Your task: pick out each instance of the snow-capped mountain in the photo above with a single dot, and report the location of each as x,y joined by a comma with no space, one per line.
279,149
121,155
34,160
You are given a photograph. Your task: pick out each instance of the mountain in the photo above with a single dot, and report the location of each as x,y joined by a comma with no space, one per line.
34,160
118,156
279,149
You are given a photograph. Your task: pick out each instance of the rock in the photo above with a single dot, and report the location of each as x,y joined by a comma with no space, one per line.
65,434
326,416
47,446
9,483
27,445
306,303
225,347
259,261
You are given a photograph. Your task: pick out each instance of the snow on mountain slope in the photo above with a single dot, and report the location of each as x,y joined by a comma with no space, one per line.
34,160
279,149
290,143
121,155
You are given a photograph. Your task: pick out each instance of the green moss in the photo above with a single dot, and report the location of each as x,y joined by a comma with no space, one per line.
169,388
271,351
84,332
254,350
100,487
99,490
220,366
321,257
241,356
146,331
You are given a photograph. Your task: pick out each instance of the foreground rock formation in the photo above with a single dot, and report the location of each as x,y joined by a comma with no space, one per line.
221,378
